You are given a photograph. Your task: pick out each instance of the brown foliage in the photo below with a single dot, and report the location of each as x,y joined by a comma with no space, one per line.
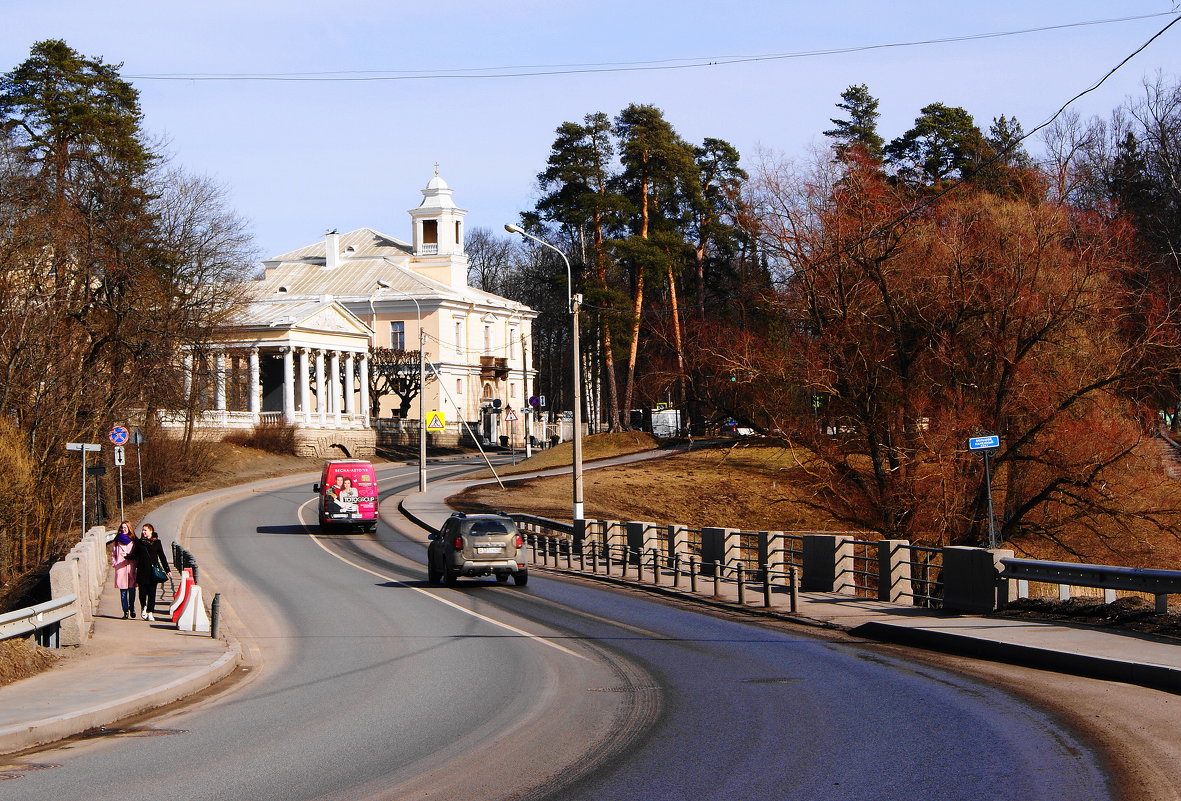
903,339
272,437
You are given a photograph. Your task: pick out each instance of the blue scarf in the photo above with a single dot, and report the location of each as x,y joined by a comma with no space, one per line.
122,538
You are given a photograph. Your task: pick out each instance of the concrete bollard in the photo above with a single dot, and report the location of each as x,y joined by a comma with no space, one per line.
893,570
971,578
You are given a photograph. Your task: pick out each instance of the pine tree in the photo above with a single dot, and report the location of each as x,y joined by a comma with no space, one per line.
861,129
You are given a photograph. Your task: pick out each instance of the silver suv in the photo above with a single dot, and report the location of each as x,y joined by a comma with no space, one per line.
476,545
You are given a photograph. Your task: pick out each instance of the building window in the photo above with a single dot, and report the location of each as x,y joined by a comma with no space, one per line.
512,390
458,392
398,335
487,392
487,340
458,336
459,235
430,232
512,343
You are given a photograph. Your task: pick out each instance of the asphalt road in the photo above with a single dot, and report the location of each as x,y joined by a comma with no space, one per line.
367,682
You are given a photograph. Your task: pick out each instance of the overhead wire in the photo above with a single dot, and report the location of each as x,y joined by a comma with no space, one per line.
542,70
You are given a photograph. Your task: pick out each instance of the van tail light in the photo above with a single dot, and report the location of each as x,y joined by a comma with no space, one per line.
459,543
518,541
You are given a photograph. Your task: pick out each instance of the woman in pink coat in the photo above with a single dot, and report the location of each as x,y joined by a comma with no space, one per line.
123,560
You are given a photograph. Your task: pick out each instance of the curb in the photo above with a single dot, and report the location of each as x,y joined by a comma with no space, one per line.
1156,677
49,730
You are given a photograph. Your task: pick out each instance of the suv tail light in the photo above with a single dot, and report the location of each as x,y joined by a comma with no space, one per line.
459,543
518,541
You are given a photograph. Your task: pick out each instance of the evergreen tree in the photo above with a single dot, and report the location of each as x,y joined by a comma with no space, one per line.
861,129
660,179
944,144
576,181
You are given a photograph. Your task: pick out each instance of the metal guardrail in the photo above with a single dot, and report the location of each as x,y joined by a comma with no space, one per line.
1160,583
41,620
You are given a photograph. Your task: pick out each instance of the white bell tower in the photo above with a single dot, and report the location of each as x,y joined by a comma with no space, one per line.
438,235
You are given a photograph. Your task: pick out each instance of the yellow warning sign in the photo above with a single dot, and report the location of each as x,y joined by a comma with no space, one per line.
435,421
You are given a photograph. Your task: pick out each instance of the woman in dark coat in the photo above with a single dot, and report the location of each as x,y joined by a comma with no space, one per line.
148,554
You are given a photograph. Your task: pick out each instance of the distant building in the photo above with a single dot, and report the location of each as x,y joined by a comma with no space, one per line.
302,347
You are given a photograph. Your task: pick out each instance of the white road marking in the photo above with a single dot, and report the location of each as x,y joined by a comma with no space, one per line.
432,596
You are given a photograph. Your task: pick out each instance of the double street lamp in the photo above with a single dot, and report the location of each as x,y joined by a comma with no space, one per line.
575,300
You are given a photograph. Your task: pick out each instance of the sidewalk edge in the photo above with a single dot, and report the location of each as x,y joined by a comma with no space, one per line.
1157,677
49,730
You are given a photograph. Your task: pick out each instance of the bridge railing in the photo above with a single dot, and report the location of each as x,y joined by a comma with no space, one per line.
1109,578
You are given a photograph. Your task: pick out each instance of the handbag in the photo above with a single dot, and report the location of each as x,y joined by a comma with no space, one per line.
159,573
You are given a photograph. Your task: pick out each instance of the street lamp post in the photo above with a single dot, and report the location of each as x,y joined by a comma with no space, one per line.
382,287
575,300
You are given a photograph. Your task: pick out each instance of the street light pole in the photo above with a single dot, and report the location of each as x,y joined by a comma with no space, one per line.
383,286
575,300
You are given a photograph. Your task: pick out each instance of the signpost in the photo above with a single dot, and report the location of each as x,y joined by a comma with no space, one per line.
120,460
986,445
137,439
86,448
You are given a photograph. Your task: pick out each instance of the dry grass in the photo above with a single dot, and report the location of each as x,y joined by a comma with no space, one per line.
744,486
20,659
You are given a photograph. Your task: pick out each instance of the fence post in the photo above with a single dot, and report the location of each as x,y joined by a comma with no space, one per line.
656,566
893,569
793,585
692,573
717,578
766,587
741,584
971,578
215,616
676,569
827,563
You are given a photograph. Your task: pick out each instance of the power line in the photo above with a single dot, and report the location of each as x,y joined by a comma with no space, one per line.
539,70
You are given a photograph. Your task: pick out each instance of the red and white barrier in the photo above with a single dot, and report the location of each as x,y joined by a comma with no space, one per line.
188,609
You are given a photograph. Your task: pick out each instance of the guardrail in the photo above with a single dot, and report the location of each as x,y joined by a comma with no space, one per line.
42,620
1109,578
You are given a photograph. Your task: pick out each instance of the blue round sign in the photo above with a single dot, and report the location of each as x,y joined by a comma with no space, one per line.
119,435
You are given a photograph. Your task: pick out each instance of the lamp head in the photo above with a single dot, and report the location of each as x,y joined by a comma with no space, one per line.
383,284
514,229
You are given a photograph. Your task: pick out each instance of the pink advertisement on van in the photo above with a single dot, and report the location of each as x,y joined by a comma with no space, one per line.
350,492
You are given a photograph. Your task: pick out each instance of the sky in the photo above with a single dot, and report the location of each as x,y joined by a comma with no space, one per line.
298,157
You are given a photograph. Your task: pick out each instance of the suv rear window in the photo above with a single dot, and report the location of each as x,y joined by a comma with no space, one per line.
489,527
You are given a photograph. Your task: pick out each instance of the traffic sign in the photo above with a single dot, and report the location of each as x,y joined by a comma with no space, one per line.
85,447
120,435
138,438
436,421
541,401
534,401
986,442
120,457
510,416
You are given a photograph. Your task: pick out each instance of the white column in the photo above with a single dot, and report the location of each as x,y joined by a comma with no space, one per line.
187,368
321,394
288,386
364,358
350,395
219,380
334,385
255,399
305,390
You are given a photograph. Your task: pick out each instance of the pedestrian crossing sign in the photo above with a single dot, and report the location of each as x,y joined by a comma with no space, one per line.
435,421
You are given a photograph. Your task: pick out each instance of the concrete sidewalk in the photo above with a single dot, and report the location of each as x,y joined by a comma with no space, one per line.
127,667
1061,647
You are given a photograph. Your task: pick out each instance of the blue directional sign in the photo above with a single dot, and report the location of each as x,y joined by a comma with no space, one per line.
982,443
120,435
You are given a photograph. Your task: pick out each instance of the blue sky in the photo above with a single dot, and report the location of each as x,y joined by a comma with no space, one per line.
299,157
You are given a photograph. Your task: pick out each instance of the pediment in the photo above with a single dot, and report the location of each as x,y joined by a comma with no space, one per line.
334,319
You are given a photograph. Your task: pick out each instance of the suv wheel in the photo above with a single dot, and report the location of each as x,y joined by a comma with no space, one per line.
448,575
502,578
521,578
432,575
